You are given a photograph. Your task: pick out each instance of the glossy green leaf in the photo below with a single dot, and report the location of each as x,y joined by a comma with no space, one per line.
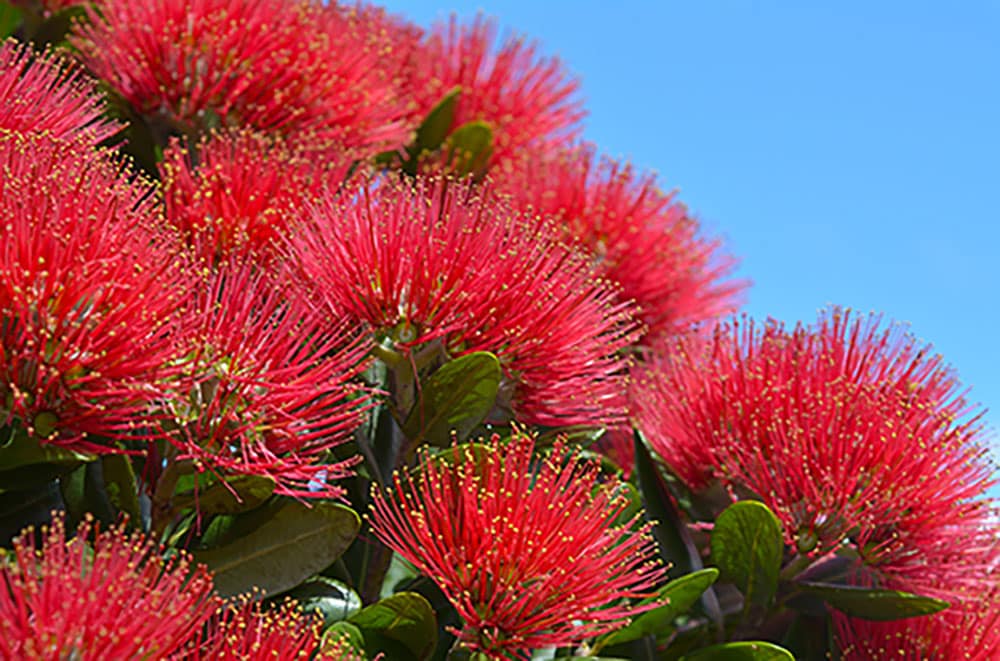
457,397
873,604
742,651
434,129
677,596
470,147
405,618
293,542
238,493
748,546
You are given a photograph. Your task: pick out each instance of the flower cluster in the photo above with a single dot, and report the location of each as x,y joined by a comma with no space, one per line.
841,428
87,292
438,259
102,595
529,555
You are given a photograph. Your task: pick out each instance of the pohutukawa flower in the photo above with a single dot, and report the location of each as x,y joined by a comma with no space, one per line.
46,93
269,386
530,556
526,100
242,192
439,260
851,433
642,238
286,66
102,595
244,629
86,293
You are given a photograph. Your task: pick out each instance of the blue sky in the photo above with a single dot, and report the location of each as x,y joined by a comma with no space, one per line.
849,152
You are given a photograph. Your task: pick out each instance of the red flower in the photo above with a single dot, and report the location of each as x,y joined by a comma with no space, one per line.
45,93
102,595
641,237
246,630
439,260
269,383
529,559
86,293
850,433
287,66
525,99
242,192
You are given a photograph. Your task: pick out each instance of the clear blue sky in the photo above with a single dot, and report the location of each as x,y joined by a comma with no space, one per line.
849,153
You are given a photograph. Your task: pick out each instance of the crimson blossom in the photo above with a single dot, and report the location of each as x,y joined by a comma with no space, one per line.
102,595
267,383
87,293
434,259
529,554
293,67
529,102
241,192
29,81
640,237
851,433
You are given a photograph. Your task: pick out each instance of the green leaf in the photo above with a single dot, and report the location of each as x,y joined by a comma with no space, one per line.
458,396
677,597
10,19
121,486
469,148
405,618
874,604
435,127
330,598
234,494
748,546
289,545
27,464
743,651
340,634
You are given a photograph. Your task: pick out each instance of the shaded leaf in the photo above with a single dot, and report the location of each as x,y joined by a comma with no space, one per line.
121,486
291,544
671,533
874,604
742,651
405,618
748,546
455,397
10,19
678,596
27,464
333,600
210,495
19,509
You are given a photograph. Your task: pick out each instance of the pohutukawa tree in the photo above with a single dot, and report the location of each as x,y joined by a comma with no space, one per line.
323,335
